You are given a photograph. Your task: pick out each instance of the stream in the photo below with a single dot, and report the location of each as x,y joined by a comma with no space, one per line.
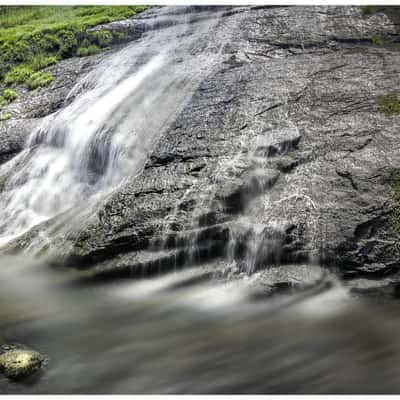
176,334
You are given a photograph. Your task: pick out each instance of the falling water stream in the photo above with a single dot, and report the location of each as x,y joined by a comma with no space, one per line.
104,134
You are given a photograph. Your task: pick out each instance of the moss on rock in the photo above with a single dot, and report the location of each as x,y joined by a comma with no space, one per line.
388,104
3,102
377,40
5,116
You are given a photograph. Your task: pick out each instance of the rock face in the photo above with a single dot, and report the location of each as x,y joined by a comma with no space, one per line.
31,106
282,143
20,363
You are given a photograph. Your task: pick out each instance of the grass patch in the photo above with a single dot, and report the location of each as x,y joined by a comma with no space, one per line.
5,116
23,72
39,80
6,97
38,36
88,51
388,104
101,38
40,61
18,74
9,95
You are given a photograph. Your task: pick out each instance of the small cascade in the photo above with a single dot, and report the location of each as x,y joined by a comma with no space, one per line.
253,245
224,220
111,120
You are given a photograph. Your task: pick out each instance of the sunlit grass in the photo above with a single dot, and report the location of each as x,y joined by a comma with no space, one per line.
37,36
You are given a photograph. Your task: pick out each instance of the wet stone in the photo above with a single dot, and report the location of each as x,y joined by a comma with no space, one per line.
20,363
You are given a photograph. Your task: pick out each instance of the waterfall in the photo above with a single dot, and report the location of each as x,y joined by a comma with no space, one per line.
104,134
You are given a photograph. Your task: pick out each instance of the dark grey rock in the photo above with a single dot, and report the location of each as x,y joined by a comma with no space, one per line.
31,106
13,135
285,133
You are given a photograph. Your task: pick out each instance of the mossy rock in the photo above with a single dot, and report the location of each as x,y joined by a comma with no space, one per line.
3,102
388,104
5,116
118,37
9,95
20,363
377,40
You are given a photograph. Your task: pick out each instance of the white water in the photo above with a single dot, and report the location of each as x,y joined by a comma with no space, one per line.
106,132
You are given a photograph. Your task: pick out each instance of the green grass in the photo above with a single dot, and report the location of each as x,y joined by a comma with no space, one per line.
9,94
39,80
18,74
5,116
34,37
23,72
101,38
88,51
40,61
388,104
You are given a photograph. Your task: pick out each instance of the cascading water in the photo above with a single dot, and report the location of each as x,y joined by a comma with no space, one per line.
105,133
215,200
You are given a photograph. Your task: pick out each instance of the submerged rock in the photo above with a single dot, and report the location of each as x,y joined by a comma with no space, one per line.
20,363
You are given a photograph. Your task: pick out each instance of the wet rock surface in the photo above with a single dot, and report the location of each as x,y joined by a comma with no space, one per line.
31,106
17,363
285,134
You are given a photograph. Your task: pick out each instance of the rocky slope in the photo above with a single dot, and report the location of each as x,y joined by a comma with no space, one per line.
280,156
